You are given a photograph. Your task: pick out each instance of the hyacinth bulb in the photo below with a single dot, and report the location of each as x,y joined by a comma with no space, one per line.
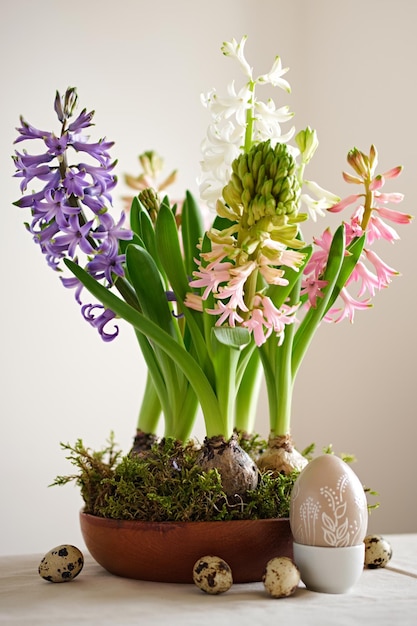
237,470
328,505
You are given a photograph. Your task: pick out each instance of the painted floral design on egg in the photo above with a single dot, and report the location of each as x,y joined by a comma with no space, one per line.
328,505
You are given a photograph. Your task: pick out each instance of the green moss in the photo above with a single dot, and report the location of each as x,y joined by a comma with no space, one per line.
94,468
166,484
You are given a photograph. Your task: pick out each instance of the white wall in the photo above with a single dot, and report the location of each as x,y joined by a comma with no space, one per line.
142,66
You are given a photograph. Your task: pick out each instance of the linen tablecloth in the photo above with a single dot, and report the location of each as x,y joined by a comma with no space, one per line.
385,596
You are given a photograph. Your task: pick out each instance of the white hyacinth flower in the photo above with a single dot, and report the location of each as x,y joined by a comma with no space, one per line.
235,50
274,76
322,201
231,114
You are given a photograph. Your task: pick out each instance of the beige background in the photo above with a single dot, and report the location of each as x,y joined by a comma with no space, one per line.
142,67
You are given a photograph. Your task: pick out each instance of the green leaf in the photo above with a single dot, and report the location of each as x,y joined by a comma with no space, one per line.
222,223
148,233
191,368
192,231
311,321
280,293
123,244
134,216
143,228
146,280
237,337
349,263
169,251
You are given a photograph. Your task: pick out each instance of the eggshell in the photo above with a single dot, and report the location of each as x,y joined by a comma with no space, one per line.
61,564
281,577
378,551
212,575
328,505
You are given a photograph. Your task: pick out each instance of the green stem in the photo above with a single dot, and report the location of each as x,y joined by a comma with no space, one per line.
184,427
154,372
248,395
249,120
369,197
281,421
225,362
208,401
150,409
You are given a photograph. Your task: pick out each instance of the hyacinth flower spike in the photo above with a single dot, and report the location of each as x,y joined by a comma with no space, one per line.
251,266
71,220
145,264
258,273
368,220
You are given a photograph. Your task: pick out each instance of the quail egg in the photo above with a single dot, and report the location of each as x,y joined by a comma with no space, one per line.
281,577
61,564
378,551
212,575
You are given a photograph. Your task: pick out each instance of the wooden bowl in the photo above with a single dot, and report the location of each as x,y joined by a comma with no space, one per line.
167,551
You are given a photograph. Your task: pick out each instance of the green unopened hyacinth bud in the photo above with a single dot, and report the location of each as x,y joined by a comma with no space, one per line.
151,202
264,183
307,142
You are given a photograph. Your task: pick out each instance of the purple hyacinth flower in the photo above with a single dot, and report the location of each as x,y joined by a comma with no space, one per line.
74,235
56,145
84,120
75,182
97,150
101,177
73,283
44,233
22,159
110,233
26,131
100,321
29,172
105,265
54,206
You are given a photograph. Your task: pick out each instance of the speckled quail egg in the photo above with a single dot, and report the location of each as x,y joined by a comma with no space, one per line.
378,551
281,577
212,575
61,564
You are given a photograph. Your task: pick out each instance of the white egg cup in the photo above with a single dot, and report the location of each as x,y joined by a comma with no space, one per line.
328,569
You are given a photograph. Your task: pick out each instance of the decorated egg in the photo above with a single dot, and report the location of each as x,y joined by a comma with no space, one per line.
61,564
328,505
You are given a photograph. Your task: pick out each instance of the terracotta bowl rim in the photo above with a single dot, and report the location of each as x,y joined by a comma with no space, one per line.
110,521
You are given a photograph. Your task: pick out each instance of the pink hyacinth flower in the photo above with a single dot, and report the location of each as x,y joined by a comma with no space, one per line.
350,305
384,272
227,314
312,287
211,277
